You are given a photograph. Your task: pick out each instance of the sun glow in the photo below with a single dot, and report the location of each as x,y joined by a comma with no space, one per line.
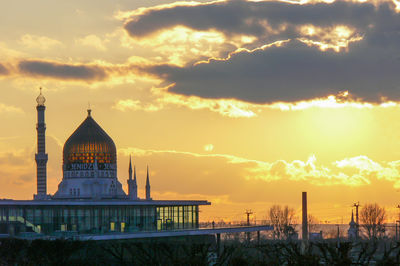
235,108
337,38
123,15
225,107
397,4
180,44
341,100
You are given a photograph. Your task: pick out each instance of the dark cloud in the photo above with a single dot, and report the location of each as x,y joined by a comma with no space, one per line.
369,68
261,19
289,73
3,70
62,71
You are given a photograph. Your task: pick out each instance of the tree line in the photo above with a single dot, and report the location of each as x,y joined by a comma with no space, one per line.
267,252
372,220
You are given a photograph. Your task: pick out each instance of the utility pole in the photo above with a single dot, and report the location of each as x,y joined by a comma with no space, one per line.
356,205
338,236
358,225
248,213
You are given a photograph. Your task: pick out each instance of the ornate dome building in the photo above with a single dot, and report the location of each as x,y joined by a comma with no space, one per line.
89,164
90,199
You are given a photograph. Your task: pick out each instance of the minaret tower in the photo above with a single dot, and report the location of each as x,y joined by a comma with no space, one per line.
41,155
132,186
148,185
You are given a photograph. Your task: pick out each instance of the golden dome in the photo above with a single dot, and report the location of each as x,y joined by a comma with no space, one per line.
88,143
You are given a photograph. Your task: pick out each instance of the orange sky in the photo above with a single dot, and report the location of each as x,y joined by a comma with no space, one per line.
237,152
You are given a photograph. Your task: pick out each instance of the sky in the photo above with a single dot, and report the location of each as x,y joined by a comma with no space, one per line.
242,103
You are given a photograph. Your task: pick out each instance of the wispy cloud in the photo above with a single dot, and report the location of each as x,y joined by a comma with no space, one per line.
135,105
240,109
353,172
4,108
92,41
16,168
38,42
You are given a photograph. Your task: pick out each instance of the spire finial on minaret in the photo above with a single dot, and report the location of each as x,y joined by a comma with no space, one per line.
89,110
40,99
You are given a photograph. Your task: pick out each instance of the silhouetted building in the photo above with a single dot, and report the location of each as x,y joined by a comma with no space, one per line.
353,229
314,236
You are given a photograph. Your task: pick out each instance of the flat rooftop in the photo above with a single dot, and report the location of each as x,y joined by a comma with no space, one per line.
174,233
105,202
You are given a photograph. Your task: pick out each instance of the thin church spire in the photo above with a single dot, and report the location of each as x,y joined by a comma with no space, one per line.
130,167
132,186
148,185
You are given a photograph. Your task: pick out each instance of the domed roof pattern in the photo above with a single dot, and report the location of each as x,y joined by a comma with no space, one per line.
89,142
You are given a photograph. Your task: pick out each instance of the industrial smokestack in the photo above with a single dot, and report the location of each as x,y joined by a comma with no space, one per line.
305,222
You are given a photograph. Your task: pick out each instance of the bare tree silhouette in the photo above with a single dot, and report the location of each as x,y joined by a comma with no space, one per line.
282,218
372,219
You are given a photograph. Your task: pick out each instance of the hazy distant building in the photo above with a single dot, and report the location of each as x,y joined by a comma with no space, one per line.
314,236
90,199
353,229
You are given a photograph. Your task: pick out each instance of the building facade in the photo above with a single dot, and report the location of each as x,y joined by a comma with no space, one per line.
96,217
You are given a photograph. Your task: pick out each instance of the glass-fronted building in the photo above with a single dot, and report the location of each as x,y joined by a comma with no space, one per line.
97,217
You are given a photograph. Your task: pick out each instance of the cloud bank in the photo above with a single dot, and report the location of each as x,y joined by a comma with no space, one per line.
288,53
271,20
329,48
37,68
